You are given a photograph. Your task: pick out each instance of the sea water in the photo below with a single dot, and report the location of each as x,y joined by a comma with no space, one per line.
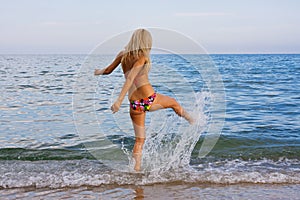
41,147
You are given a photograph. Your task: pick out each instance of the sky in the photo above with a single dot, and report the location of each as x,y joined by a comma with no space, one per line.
220,26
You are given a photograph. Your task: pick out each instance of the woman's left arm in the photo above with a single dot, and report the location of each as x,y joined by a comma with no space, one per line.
110,68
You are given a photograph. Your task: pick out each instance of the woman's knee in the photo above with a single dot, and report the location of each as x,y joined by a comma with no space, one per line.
140,140
174,104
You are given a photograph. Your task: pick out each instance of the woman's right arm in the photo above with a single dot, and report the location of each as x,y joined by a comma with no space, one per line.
137,67
110,68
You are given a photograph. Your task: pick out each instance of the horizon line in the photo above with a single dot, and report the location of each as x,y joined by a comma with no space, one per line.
222,53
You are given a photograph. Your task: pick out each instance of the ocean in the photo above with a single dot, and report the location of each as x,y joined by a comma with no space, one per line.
59,139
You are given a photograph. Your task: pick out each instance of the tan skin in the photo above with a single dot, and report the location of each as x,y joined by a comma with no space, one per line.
131,70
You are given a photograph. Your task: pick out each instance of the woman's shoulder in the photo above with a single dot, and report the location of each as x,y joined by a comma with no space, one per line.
131,60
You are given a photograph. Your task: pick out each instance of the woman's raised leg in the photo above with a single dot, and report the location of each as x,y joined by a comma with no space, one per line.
163,101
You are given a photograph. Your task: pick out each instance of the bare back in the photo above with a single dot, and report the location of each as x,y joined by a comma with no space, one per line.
141,86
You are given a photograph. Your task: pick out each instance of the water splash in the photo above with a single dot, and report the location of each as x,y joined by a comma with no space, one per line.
169,145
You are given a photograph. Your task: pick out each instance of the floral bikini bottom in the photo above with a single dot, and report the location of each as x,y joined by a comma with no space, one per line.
144,104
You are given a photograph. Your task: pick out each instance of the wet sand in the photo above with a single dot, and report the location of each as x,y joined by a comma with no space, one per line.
160,191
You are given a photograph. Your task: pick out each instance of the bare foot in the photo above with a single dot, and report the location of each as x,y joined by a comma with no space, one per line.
191,121
138,158
189,118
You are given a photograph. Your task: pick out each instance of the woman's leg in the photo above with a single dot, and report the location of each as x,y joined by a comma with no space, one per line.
163,101
138,121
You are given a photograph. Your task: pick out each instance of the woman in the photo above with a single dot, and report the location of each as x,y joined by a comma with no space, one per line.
135,61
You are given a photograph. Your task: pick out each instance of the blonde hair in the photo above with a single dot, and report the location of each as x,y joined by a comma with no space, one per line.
140,44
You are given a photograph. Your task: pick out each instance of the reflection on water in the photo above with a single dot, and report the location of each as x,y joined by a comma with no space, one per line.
151,192
139,193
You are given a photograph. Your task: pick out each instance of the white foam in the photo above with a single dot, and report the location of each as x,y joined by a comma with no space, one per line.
75,173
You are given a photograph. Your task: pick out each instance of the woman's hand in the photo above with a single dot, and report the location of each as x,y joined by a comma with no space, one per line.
115,107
